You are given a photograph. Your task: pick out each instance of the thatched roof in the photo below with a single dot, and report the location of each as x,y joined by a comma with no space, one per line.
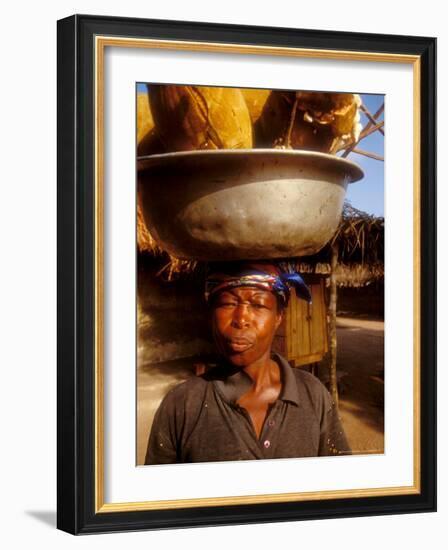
172,267
359,240
360,237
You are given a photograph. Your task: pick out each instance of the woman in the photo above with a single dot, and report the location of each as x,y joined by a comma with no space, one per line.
252,404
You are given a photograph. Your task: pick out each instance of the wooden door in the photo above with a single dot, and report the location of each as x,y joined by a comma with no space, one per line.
302,336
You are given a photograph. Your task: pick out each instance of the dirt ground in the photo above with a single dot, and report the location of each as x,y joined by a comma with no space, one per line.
361,386
361,383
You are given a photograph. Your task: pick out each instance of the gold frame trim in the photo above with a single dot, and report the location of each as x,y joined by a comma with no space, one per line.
101,42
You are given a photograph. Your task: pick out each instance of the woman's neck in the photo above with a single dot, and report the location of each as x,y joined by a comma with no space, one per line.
264,372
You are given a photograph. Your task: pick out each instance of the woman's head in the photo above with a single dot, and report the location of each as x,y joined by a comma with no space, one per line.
244,322
247,300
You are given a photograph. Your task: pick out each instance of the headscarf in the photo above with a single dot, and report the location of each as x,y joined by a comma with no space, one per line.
277,278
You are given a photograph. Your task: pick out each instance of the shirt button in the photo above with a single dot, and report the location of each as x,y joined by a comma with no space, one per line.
271,423
267,444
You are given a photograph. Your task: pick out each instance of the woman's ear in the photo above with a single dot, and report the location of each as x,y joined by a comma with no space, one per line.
279,320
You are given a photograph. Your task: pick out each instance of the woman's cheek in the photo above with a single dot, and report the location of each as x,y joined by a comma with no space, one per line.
218,335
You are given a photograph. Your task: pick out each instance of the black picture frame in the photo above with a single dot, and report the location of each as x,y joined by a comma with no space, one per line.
76,474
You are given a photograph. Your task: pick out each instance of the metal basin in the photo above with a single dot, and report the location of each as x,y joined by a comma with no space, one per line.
243,204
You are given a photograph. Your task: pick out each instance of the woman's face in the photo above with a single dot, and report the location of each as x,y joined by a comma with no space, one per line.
244,322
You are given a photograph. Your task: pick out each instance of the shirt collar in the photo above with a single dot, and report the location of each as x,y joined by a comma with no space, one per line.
234,382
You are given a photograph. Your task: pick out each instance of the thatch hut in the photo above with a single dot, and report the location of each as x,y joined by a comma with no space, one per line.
353,259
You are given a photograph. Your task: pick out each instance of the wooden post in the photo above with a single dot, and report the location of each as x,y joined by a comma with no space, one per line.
332,324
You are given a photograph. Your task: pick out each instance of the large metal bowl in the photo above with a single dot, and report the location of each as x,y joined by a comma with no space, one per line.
243,204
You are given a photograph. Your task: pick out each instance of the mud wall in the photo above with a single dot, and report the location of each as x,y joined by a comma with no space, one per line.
367,301
172,319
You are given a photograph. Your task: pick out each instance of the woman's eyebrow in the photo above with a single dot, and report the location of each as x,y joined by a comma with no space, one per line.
256,294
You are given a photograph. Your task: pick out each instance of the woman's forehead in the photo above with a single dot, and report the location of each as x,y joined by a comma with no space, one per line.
247,291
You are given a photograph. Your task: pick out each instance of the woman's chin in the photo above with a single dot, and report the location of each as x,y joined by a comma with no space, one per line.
240,359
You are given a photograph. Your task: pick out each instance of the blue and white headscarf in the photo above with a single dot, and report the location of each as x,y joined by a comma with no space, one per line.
278,278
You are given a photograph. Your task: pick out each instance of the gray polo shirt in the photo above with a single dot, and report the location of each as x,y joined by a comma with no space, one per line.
200,421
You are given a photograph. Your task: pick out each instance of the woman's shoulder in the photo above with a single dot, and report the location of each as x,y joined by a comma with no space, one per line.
192,384
310,380
311,388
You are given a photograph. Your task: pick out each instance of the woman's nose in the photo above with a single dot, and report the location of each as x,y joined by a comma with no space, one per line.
241,315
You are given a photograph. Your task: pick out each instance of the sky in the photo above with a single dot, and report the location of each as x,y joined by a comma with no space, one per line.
368,193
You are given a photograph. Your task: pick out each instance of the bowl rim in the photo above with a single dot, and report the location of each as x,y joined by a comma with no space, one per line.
354,171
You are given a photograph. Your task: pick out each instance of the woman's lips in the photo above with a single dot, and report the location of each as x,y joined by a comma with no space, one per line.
239,344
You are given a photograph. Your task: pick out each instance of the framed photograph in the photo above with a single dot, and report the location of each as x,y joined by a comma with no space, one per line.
246,274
